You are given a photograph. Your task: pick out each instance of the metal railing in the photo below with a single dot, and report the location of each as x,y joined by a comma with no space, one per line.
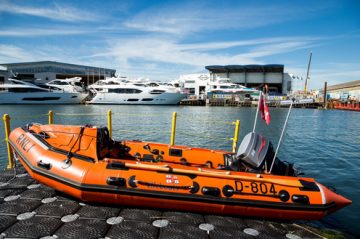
51,114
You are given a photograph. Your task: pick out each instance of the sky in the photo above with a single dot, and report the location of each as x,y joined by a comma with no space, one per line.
162,40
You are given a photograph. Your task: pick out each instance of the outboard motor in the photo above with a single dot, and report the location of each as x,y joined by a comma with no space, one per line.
256,153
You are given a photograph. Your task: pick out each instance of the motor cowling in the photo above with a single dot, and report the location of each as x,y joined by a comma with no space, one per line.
254,150
256,153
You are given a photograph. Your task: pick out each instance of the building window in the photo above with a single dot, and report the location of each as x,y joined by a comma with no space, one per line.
157,92
125,91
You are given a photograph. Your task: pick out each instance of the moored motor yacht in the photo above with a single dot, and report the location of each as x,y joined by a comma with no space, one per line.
225,86
21,92
68,84
118,91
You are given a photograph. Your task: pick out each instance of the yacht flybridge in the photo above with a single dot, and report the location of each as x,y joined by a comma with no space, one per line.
120,91
224,85
21,92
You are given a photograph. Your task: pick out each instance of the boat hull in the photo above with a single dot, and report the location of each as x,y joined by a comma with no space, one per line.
41,98
137,99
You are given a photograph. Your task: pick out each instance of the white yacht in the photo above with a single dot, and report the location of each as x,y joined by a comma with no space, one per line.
67,85
224,85
117,91
21,92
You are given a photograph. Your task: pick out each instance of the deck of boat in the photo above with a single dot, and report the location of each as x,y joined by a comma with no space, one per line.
31,210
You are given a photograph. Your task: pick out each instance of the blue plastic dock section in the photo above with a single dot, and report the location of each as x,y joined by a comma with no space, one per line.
31,210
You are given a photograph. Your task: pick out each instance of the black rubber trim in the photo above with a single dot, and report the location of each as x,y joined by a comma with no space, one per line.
172,196
117,166
175,152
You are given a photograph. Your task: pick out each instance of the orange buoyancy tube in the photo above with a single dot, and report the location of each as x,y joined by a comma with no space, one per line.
73,139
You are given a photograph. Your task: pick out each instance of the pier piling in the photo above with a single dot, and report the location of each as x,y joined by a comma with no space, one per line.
110,122
6,119
173,129
50,114
236,136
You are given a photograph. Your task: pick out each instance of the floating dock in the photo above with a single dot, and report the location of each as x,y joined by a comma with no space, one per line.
31,210
226,102
352,106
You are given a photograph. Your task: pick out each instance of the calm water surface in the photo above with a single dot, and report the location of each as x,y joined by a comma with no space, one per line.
322,144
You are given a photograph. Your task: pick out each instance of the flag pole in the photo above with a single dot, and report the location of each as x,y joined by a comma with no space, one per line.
281,136
257,111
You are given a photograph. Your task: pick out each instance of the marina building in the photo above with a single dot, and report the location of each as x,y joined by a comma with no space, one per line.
254,76
251,76
345,91
46,71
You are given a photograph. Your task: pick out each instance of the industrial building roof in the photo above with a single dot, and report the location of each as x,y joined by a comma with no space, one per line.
350,84
246,68
36,63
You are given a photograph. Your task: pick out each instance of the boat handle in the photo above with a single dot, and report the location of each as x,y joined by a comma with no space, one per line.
116,181
44,165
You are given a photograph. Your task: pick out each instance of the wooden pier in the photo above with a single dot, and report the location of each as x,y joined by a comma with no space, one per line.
31,210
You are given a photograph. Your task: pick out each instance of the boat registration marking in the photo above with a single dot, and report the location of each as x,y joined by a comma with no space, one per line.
255,187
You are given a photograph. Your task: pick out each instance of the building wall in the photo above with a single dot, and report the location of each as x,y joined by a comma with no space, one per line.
286,83
238,78
281,81
255,78
50,70
351,93
45,76
344,91
272,77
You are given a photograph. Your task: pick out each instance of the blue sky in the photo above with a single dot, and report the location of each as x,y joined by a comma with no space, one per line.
164,39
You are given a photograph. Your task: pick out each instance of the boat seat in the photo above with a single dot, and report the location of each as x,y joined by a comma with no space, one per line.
104,142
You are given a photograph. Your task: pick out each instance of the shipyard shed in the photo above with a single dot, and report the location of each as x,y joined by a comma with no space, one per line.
254,76
46,71
345,91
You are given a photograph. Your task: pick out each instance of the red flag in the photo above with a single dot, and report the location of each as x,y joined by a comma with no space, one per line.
263,108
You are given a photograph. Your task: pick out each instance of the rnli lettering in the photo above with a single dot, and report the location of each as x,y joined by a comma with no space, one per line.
24,143
172,179
255,187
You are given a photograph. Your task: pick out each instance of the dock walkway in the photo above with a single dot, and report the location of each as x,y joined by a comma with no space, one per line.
31,210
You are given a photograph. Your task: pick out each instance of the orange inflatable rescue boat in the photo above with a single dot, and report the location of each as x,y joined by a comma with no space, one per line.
85,163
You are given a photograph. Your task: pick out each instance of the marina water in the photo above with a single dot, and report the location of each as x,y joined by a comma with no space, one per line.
324,144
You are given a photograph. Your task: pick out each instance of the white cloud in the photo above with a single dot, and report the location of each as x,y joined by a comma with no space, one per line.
11,53
165,54
196,17
36,32
55,12
169,51
332,73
